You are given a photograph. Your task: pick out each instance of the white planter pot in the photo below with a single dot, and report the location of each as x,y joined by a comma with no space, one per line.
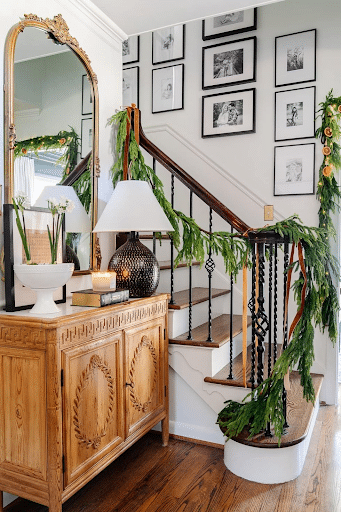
44,280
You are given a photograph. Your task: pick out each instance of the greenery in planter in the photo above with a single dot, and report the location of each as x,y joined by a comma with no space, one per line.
314,284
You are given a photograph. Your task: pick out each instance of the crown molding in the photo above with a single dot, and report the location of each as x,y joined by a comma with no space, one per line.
101,24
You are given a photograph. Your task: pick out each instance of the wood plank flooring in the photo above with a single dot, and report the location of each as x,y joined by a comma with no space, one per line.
188,477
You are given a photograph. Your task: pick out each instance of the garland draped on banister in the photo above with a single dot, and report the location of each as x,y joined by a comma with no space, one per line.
313,288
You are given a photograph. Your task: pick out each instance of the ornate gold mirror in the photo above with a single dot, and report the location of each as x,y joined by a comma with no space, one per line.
51,118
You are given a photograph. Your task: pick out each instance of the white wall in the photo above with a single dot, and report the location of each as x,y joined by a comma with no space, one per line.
101,40
239,170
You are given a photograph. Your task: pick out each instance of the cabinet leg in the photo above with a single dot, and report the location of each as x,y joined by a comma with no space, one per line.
55,506
165,431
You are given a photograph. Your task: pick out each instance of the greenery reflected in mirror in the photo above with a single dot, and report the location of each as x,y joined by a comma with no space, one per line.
44,100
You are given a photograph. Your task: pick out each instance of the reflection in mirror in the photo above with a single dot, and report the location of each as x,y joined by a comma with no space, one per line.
48,105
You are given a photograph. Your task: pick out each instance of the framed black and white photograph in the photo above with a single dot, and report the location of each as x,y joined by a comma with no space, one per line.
168,44
295,114
168,88
229,113
229,24
295,58
86,96
130,86
131,50
17,296
86,136
294,170
229,63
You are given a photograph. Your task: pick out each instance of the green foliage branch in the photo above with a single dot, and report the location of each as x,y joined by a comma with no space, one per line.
264,404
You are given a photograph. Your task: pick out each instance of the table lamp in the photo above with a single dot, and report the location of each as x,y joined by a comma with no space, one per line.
133,208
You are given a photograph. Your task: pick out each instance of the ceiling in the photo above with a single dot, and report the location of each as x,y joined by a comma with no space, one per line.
137,16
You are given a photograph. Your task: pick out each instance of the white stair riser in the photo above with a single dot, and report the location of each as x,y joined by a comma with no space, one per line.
178,318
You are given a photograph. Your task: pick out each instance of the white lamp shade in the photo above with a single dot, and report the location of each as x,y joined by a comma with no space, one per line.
133,207
76,221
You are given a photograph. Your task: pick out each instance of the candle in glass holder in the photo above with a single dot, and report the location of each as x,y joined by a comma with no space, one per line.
103,281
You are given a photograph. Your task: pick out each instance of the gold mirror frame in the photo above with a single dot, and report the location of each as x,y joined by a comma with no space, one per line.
58,29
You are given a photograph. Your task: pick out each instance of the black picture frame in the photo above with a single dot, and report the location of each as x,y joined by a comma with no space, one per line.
175,36
87,100
211,29
239,117
231,63
131,86
295,114
131,50
294,169
168,88
12,250
291,51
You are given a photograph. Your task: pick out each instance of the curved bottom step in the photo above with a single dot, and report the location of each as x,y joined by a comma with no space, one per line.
260,459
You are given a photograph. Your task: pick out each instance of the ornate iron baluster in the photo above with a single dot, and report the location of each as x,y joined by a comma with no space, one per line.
190,299
154,237
275,304
262,322
172,247
270,247
252,307
285,327
231,324
209,266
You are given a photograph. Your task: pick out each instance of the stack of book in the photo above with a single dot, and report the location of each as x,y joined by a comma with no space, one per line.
98,299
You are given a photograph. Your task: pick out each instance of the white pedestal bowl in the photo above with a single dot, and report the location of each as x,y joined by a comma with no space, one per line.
44,280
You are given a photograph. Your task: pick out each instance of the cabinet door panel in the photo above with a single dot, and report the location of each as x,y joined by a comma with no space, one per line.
23,411
92,404
144,373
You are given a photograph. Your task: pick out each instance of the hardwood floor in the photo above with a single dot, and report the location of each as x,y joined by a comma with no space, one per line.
188,477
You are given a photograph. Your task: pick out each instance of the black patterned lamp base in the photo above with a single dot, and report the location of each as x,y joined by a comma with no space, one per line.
136,268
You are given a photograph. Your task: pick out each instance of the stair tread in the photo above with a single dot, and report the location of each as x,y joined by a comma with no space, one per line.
220,332
166,265
199,294
299,413
237,369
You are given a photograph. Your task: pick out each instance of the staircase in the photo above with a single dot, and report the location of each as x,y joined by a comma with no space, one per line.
219,352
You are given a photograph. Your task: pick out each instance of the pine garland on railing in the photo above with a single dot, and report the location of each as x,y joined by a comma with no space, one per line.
192,242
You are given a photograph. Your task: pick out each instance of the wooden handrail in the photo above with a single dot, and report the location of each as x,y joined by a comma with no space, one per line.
192,184
77,171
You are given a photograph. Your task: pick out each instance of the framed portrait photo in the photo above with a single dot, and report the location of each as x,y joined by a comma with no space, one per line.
294,170
86,136
131,50
19,297
168,88
130,86
229,63
229,113
295,114
295,58
168,44
86,96
229,23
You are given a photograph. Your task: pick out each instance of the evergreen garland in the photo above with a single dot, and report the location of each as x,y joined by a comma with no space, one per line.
68,139
264,404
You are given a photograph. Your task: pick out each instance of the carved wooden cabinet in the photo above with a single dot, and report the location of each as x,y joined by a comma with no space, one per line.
76,391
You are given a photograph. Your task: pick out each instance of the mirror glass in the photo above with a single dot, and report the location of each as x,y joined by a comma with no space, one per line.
52,111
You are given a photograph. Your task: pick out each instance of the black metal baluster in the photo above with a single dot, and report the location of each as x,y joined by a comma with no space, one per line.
268,427
172,247
285,325
252,307
209,266
231,324
275,304
261,319
154,237
190,298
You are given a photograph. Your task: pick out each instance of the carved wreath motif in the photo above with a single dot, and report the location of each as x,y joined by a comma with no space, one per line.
95,362
145,342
